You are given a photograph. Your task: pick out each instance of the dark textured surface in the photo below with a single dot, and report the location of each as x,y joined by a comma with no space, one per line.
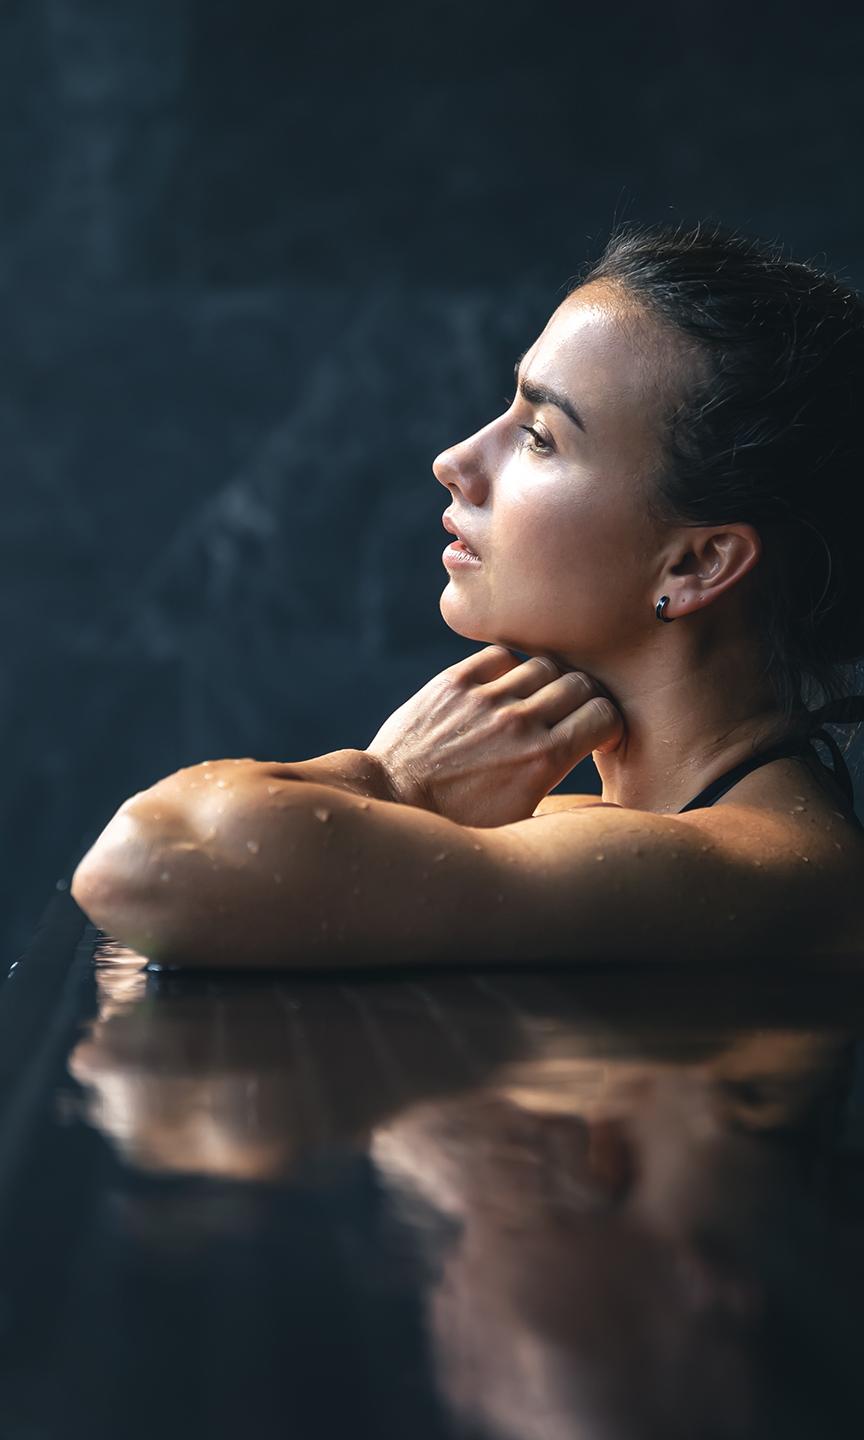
258,265
480,1206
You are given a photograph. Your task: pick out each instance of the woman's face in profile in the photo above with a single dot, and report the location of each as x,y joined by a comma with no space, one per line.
552,493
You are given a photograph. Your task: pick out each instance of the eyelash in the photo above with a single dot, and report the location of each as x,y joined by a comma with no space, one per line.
540,446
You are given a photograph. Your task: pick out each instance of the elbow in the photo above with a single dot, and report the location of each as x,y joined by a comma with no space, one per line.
113,882
107,898
85,883
94,888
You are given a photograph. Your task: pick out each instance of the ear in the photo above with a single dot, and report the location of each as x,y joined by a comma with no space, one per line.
710,560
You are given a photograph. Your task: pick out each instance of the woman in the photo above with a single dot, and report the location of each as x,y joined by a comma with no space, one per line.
664,521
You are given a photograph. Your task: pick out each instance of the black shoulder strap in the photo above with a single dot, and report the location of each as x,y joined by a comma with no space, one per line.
725,782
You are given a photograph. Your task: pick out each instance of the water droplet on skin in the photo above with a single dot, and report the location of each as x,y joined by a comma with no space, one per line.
166,875
759,863
796,810
272,789
208,774
806,859
837,845
442,855
800,797
157,814
476,847
599,856
253,846
193,785
321,814
210,833
363,805
278,878
221,784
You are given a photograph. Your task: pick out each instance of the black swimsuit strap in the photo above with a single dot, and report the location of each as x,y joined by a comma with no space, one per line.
840,768
725,782
849,710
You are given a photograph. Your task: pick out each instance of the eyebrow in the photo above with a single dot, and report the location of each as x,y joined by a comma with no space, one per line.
542,395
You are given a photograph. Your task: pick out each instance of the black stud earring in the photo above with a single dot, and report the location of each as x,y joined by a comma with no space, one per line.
660,607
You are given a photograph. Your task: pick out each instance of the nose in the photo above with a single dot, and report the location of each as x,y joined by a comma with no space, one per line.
463,468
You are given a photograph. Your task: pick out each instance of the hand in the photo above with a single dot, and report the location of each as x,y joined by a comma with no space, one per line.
485,740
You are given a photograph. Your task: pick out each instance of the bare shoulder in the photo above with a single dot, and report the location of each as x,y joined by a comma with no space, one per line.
775,878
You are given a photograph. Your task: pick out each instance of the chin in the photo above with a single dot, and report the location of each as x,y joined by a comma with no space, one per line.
457,614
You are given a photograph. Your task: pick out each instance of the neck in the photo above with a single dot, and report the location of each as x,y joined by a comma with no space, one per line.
685,724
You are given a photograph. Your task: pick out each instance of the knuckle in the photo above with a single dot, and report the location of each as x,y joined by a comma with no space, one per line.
603,709
508,719
581,680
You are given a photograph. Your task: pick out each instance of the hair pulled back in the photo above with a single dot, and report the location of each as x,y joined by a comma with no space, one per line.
770,432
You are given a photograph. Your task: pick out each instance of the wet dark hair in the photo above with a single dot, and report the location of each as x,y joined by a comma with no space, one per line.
769,432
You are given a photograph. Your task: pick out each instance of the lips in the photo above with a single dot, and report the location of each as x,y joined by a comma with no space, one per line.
451,526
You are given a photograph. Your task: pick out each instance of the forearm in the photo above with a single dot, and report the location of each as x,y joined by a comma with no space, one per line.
352,770
262,871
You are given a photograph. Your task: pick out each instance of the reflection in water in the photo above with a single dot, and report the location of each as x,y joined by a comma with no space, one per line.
639,1236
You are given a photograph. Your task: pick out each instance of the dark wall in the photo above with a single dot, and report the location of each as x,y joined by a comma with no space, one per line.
259,263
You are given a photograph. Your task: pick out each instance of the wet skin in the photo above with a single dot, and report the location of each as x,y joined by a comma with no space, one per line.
438,843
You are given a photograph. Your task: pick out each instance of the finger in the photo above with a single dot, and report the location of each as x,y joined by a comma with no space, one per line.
485,665
526,679
562,696
596,725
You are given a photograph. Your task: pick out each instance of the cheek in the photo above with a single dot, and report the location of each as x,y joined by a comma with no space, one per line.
572,529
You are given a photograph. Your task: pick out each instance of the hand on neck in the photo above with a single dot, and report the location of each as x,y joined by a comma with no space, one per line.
689,716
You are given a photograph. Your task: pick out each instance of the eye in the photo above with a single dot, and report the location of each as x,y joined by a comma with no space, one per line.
537,443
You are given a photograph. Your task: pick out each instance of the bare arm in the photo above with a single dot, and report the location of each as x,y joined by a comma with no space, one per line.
269,871
355,771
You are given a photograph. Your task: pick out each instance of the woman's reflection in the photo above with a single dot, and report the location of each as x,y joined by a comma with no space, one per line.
634,1242
636,1255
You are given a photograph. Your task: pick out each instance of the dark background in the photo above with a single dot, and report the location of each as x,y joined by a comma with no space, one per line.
259,263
